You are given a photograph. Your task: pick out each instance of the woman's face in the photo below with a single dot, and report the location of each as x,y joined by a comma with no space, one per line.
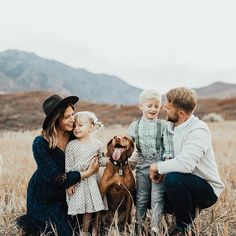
67,121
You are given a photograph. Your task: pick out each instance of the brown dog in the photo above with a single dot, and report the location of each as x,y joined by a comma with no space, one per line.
118,182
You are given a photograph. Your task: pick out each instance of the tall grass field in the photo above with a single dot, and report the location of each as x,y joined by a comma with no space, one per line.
17,165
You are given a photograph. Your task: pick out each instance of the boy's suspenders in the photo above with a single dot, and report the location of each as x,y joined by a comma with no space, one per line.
137,137
158,137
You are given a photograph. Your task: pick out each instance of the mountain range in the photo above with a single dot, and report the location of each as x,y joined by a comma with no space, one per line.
25,72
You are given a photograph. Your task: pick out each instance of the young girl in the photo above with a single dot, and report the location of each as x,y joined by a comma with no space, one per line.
84,197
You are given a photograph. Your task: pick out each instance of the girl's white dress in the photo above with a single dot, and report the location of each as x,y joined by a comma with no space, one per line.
87,197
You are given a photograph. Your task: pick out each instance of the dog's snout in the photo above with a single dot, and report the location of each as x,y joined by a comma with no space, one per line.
117,139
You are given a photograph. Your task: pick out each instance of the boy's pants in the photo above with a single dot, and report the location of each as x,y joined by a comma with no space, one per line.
148,191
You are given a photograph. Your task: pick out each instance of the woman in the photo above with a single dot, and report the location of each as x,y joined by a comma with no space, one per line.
46,199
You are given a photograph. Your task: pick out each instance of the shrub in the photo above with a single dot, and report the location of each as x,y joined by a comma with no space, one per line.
213,117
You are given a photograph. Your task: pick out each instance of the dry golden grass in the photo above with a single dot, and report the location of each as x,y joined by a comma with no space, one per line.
17,166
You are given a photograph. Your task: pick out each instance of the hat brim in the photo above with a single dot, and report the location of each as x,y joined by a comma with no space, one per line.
67,100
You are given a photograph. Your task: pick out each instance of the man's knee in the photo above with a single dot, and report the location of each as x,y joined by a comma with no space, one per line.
172,180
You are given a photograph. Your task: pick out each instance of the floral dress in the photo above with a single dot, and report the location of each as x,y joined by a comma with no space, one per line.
87,197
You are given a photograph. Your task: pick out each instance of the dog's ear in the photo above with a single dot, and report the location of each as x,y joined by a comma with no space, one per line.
109,148
131,149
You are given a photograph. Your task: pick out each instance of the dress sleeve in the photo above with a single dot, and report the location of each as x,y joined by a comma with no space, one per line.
69,157
102,160
48,170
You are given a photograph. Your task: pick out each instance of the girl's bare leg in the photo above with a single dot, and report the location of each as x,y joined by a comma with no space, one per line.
86,222
95,230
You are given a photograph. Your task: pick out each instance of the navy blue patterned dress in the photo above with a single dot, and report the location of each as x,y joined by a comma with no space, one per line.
46,197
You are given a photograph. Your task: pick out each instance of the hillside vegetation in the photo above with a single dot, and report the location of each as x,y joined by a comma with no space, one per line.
23,111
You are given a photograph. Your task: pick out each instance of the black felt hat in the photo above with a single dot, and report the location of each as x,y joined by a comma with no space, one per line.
52,103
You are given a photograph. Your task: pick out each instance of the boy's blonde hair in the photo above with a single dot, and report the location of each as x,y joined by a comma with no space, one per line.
91,118
183,98
149,94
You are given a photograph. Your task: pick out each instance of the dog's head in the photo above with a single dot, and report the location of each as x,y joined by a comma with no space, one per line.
120,148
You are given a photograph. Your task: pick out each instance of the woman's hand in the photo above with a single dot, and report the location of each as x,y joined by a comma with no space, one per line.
70,191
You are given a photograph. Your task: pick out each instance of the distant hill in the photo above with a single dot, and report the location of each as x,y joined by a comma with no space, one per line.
22,111
23,72
218,90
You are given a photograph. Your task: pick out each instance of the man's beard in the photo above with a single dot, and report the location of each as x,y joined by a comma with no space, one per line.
173,119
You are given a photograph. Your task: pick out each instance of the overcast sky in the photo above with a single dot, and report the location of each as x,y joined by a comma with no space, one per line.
148,43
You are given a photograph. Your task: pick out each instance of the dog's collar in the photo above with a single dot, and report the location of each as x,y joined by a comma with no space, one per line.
118,162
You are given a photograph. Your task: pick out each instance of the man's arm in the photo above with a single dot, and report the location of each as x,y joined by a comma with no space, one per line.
196,145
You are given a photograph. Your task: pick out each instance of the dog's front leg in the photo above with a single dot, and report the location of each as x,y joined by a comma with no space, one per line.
104,185
107,179
128,212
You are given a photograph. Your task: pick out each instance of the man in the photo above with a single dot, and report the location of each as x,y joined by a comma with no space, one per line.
192,179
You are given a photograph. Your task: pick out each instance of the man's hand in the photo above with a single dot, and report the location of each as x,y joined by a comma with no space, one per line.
154,175
70,191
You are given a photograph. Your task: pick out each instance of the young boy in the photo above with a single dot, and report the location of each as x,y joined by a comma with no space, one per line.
153,144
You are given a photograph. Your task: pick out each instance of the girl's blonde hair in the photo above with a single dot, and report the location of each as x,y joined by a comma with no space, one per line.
183,98
91,118
149,94
50,133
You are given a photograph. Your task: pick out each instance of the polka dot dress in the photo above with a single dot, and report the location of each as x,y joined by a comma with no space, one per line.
87,197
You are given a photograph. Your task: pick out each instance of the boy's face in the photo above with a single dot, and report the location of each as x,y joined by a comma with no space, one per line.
150,108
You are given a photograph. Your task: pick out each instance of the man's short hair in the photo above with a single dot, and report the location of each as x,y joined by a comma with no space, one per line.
183,98
149,94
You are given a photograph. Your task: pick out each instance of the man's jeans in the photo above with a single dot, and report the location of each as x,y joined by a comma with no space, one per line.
184,193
